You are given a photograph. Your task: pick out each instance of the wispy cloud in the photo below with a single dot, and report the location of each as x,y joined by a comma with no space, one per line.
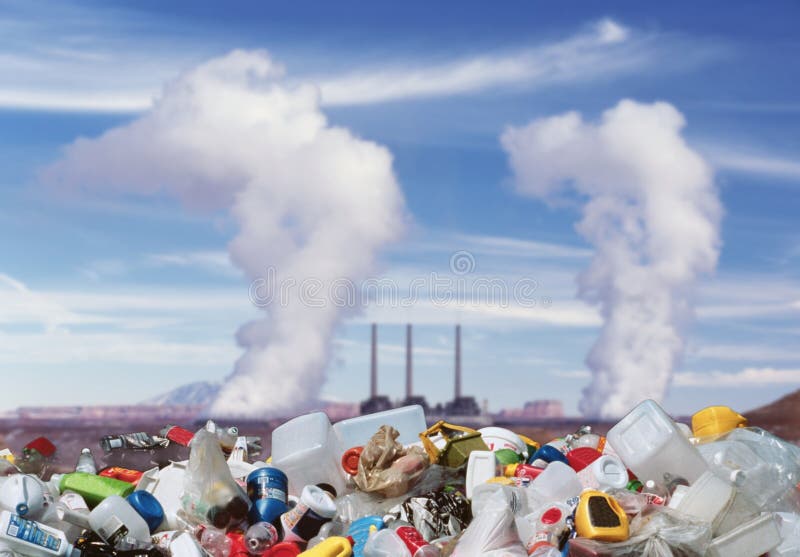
95,61
749,162
605,49
745,353
746,378
213,261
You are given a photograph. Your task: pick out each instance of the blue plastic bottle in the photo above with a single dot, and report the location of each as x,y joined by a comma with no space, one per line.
267,488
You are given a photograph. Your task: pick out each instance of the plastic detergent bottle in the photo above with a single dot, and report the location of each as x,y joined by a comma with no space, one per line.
28,537
92,488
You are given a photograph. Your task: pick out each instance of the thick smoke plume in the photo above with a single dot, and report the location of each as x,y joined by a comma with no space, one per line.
311,202
652,213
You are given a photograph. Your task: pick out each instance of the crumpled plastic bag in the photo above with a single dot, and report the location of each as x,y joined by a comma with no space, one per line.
387,467
492,533
436,514
210,494
656,532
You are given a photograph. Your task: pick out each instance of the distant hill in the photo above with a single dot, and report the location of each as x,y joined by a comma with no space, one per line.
781,417
200,393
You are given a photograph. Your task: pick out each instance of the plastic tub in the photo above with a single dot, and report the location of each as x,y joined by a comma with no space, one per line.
651,444
409,421
751,539
306,450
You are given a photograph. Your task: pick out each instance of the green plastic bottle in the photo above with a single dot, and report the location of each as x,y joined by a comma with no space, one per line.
93,488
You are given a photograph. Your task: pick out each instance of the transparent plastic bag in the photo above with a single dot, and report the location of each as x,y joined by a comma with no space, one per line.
492,533
210,494
388,468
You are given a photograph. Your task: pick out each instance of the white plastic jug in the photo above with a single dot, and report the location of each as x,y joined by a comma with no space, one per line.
385,543
409,421
607,472
29,497
558,482
651,444
306,450
118,523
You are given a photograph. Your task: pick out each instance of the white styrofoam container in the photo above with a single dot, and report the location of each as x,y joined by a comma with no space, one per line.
650,443
751,539
409,421
306,450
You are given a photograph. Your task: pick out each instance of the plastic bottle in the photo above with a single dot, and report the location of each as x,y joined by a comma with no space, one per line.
86,462
386,543
267,488
548,526
656,493
92,488
214,541
332,547
31,538
118,523
73,514
148,508
415,543
315,508
29,497
607,472
260,537
558,482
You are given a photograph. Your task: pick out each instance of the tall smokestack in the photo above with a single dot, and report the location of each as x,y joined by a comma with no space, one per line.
373,370
409,364
458,362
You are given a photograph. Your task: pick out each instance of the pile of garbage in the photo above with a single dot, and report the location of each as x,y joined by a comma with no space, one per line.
386,484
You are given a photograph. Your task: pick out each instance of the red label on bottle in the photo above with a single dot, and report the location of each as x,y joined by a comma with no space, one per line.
412,538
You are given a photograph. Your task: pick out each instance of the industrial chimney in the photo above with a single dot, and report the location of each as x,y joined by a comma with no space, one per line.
375,402
458,362
461,406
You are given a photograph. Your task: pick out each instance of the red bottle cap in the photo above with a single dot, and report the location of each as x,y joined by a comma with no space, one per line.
350,460
43,446
552,515
582,457
284,549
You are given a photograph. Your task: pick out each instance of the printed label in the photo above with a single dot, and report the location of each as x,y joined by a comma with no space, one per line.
29,531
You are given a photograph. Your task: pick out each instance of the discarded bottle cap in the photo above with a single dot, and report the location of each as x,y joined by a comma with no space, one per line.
148,508
350,460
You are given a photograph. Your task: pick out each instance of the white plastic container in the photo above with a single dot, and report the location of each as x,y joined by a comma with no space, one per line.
385,543
715,501
557,483
751,539
166,485
118,523
497,438
28,537
303,521
651,444
29,497
184,545
607,472
73,514
409,421
307,451
481,467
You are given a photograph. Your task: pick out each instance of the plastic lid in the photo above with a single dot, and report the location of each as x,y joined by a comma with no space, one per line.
43,446
350,460
582,457
148,508
552,515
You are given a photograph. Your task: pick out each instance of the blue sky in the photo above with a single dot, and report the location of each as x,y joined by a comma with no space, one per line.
115,299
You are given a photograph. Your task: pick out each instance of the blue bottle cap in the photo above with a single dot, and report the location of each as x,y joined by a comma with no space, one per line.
148,508
548,453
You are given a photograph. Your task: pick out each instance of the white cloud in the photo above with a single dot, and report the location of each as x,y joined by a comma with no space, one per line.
752,163
606,48
748,377
213,261
572,373
516,247
744,352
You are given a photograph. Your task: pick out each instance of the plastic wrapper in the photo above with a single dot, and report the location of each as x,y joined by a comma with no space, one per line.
359,504
493,533
387,467
210,494
444,512
657,532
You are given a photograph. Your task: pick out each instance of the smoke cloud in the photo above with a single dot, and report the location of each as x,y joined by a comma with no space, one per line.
651,211
311,201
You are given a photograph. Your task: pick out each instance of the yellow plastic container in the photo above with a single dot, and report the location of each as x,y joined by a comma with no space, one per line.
334,546
459,442
716,420
600,517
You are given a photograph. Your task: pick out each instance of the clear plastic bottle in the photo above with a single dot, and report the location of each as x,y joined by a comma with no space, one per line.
260,537
386,543
86,462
